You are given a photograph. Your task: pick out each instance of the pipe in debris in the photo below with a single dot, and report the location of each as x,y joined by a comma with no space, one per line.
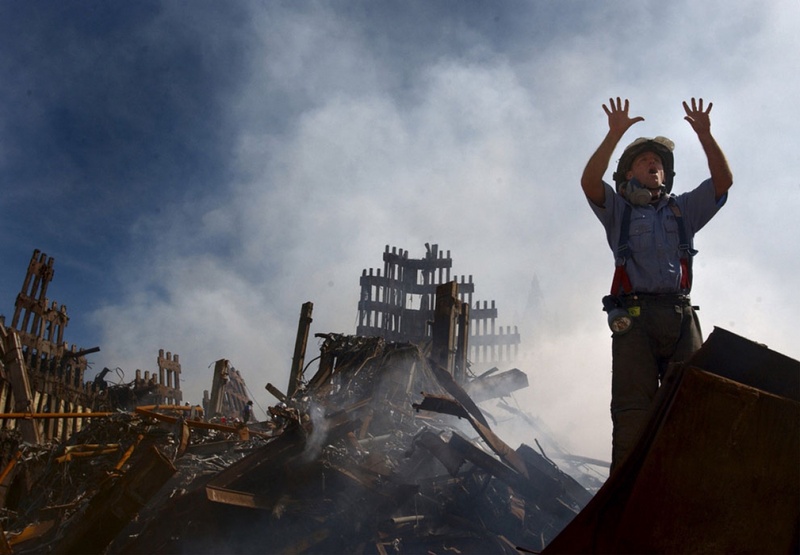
56,414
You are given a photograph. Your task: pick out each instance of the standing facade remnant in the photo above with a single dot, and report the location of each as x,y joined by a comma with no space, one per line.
398,304
41,375
41,324
163,387
228,393
169,370
54,371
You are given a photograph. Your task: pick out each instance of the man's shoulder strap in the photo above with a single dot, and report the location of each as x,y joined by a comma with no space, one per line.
683,237
621,282
623,248
685,247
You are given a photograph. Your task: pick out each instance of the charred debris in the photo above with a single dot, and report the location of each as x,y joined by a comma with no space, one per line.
380,448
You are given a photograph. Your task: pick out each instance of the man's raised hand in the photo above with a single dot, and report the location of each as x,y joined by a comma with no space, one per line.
698,118
618,120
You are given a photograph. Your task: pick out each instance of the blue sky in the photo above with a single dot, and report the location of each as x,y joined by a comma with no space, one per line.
198,170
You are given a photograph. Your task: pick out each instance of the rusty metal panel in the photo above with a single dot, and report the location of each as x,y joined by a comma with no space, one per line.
734,357
715,472
115,505
451,406
503,384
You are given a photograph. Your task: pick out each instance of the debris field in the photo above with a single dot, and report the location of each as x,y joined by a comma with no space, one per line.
382,449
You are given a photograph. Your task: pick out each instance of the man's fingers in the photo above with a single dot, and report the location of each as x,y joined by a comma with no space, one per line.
697,107
613,106
616,105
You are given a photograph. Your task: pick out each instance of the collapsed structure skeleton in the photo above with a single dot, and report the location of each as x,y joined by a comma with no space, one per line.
381,450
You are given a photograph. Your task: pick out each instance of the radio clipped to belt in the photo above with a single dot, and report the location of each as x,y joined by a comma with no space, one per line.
620,319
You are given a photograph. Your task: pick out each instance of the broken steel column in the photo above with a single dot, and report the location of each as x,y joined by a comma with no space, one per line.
298,359
20,386
218,383
32,299
445,326
462,348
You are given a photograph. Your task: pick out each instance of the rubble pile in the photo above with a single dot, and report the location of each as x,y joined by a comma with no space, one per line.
61,475
384,449
379,452
47,491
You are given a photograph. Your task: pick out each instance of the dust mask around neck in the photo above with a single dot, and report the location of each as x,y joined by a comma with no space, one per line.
636,193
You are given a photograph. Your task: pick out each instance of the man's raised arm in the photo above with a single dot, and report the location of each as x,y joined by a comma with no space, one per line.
618,124
700,121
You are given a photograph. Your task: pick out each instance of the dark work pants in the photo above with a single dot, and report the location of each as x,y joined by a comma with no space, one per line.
666,331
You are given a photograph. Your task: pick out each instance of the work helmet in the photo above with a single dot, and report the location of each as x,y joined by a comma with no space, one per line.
660,145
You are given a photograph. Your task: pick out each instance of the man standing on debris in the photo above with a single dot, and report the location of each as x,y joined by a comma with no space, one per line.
650,231
247,412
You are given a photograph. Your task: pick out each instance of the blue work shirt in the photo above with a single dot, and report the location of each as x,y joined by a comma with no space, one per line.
654,264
